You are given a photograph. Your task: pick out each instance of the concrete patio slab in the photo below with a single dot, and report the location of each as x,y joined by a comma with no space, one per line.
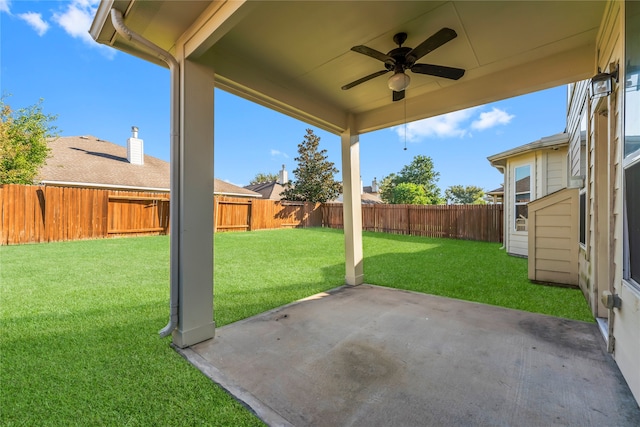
372,356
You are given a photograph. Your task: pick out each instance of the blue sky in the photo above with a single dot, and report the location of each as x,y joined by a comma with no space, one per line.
46,52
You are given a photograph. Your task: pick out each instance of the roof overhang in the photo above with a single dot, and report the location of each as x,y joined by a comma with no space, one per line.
552,142
294,57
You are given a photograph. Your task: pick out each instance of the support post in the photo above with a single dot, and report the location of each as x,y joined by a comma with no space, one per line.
352,208
193,261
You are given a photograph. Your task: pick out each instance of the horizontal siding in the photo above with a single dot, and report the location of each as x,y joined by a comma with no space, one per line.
553,245
551,265
558,233
557,209
553,221
551,242
553,253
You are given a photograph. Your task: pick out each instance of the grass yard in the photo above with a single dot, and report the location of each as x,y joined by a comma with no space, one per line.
79,343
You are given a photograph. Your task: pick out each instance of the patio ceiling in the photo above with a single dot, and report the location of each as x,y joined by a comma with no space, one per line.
294,57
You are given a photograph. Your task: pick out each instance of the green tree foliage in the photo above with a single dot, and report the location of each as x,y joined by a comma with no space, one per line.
314,177
262,178
23,142
420,172
409,193
469,195
387,184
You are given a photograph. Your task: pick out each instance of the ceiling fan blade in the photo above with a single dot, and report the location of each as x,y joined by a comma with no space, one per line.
438,71
373,53
432,43
364,79
397,96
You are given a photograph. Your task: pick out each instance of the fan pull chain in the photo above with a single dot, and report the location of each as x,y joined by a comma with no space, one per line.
405,123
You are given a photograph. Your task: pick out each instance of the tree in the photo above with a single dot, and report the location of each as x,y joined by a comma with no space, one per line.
387,185
469,195
23,142
420,172
314,176
262,178
409,193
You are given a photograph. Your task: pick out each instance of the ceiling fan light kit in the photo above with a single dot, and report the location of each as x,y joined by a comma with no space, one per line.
402,58
399,82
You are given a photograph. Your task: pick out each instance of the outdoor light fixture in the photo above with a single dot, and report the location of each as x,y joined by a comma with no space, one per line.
601,83
399,81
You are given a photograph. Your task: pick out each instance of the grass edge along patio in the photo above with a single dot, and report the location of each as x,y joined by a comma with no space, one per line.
80,318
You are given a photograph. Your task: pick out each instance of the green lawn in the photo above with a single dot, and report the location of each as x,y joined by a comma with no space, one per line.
79,320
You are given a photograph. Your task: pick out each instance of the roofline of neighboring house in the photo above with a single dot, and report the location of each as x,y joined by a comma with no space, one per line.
131,187
548,142
258,196
95,185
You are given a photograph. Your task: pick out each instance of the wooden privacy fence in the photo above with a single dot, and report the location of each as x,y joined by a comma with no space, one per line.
235,214
468,222
32,214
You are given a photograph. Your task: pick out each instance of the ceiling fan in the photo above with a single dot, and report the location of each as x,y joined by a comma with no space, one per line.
402,58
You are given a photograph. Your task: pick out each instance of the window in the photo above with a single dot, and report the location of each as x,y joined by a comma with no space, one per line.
522,187
583,173
631,162
632,198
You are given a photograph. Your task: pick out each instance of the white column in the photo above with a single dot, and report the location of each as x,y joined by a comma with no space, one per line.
194,236
352,208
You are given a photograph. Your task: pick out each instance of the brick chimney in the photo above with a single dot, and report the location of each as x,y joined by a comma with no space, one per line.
135,148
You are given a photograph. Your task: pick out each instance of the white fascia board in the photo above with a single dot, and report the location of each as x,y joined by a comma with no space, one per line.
553,141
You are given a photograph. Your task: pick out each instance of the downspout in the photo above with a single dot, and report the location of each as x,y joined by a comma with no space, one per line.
174,67
504,199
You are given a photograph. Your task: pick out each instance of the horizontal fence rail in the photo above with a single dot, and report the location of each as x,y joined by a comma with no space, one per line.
468,222
33,214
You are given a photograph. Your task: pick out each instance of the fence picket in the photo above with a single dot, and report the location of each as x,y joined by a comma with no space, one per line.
31,214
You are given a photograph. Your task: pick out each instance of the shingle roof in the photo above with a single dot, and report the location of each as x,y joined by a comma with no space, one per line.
90,161
269,190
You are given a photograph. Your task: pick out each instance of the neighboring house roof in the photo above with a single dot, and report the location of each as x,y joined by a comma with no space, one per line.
523,185
496,192
365,198
91,162
548,142
268,190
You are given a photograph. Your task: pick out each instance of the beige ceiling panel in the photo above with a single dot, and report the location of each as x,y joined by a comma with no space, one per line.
498,30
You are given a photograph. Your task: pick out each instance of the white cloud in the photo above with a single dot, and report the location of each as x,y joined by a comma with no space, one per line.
492,118
35,21
76,21
444,126
276,153
4,6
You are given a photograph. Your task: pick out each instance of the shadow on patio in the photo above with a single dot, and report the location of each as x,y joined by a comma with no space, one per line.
372,356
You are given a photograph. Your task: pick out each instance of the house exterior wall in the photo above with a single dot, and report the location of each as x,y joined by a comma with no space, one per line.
548,175
601,256
626,318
